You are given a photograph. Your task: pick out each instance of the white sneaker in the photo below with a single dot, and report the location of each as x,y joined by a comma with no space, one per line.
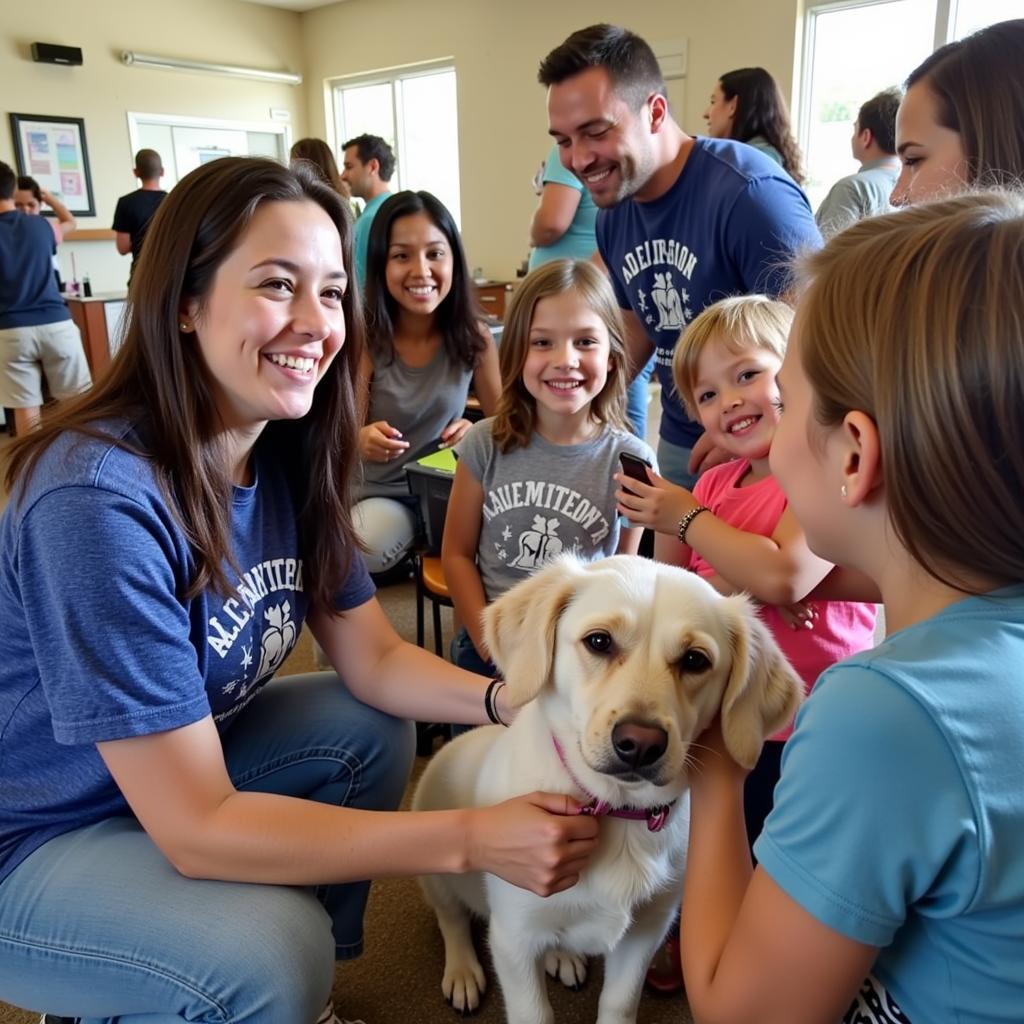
330,1017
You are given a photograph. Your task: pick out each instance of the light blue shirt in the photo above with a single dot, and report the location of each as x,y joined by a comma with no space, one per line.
361,236
899,817
579,240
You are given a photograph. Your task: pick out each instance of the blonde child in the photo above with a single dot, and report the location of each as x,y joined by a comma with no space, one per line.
735,529
535,481
895,850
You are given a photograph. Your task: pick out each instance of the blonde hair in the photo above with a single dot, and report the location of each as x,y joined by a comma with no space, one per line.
739,323
516,418
917,319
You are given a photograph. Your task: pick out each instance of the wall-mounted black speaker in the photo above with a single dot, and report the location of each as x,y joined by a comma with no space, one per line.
51,53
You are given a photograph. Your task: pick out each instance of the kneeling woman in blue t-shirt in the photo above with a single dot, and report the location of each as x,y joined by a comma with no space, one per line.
167,809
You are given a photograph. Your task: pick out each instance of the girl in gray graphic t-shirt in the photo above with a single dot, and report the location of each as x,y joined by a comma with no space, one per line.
536,481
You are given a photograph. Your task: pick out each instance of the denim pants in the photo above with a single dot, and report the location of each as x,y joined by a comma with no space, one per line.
673,464
465,655
96,923
638,396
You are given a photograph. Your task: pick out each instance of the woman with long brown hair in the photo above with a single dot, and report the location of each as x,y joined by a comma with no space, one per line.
961,121
747,105
181,836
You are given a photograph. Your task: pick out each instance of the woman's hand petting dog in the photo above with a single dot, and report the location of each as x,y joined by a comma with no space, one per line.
539,842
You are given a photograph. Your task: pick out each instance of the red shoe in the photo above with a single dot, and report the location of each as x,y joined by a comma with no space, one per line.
665,975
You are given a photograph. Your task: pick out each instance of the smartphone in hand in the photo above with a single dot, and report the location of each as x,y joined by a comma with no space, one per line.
635,467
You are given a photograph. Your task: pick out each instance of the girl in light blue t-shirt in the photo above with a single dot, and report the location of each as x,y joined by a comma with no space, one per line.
890,878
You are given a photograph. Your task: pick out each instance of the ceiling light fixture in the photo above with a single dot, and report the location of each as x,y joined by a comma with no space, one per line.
148,60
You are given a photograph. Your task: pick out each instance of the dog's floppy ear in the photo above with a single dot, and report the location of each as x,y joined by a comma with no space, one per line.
519,628
762,693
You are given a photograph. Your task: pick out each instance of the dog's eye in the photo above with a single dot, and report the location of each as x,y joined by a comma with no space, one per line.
694,661
599,642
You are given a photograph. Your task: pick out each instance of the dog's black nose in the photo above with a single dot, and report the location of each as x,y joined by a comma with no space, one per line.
638,745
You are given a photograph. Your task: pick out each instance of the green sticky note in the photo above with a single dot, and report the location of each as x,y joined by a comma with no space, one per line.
442,460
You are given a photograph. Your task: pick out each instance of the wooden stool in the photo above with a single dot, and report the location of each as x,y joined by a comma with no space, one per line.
430,584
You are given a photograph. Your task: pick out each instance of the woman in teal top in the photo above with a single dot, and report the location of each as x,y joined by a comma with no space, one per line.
563,224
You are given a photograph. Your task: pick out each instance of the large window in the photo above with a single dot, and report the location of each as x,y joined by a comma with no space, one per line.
855,48
416,111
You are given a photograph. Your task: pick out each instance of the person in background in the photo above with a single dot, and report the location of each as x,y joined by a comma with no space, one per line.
369,164
182,837
682,222
135,210
866,193
30,198
961,122
37,336
426,344
563,228
747,105
319,154
563,223
890,876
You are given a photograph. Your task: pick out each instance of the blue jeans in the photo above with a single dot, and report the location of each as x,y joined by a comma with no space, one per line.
466,656
674,463
638,396
97,923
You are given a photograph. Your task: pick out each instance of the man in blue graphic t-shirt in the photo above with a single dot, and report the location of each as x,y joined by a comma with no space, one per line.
682,222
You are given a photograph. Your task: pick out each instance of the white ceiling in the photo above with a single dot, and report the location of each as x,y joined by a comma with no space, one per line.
294,5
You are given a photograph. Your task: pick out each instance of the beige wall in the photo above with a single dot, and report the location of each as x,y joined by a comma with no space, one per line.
103,90
496,46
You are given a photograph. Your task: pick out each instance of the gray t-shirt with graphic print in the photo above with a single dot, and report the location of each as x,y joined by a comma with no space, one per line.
544,500
420,401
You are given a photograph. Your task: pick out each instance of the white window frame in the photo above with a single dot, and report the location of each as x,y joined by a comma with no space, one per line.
385,76
945,18
282,128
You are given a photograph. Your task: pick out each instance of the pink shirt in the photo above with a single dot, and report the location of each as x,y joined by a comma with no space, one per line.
842,627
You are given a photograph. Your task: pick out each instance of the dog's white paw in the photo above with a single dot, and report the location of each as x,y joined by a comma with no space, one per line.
568,968
464,983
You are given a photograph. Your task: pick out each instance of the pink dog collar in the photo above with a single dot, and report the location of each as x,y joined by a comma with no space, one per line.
656,817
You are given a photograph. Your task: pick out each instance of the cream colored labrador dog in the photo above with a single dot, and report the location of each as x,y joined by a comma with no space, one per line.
618,666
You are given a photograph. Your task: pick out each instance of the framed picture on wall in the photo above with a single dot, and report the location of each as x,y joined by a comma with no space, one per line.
53,151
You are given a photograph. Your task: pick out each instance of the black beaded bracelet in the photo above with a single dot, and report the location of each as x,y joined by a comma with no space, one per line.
491,699
684,523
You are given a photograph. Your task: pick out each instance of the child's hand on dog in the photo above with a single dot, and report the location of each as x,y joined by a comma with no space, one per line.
538,842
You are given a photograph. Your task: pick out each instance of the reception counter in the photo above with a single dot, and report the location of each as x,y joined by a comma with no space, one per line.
99,321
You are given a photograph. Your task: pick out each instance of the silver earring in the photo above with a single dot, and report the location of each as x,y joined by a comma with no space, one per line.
842,490
184,327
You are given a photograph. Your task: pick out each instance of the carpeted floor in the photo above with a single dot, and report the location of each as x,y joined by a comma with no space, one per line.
398,978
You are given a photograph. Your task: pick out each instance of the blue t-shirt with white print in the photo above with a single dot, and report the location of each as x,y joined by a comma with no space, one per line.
729,225
99,643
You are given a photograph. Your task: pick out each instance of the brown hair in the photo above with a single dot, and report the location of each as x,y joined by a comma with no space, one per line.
148,164
761,110
628,59
978,83
516,418
917,319
878,116
160,380
741,323
317,153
